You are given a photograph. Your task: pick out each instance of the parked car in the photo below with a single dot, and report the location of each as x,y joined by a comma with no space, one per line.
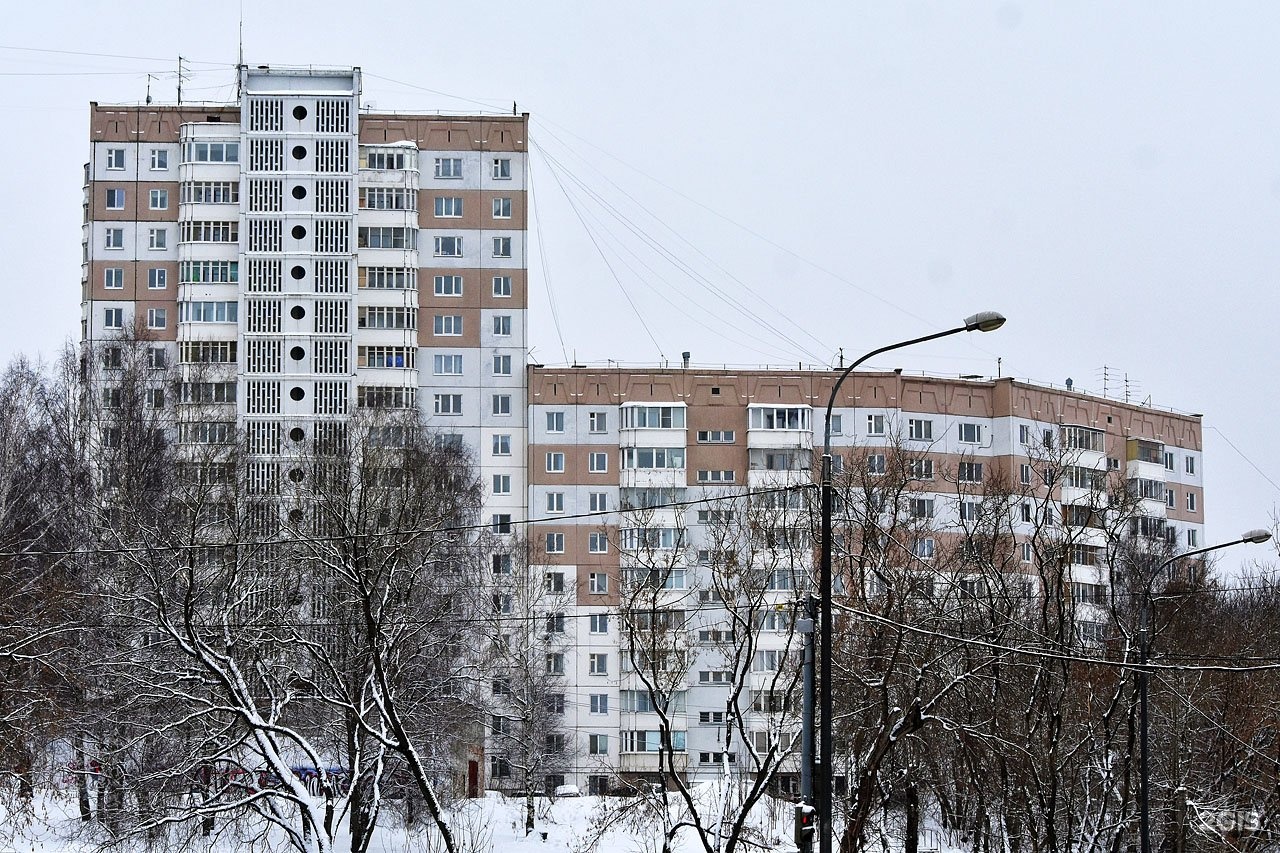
567,791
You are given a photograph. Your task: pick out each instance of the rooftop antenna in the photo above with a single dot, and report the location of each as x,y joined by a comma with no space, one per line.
150,77
180,76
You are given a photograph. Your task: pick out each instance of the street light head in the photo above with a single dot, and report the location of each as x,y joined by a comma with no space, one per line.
984,321
1257,537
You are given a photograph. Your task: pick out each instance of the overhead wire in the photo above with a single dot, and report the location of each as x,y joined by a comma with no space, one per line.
544,262
733,301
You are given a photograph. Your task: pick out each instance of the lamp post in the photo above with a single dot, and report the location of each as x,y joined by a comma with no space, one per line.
985,321
1254,537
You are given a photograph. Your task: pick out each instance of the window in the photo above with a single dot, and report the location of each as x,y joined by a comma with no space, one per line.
715,477
969,472
969,433
448,167
555,543
448,247
383,160
502,208
502,285
448,207
157,278
500,523
1025,511
875,425
1026,552
159,159
598,543
502,325
597,421
1024,434
1170,497
598,463
921,507
448,404
1168,460
598,744
598,664
115,199
1191,465
212,152
969,510
157,238
837,424
208,312
875,463
159,199
1024,474
155,398
599,502
555,663
502,365
448,285
113,238
115,159
447,325
502,484
921,469
502,168
447,365
923,548
157,318
502,564
599,701
555,421
555,501
597,583
113,278
919,429
715,436
502,445
555,463
502,247
1193,539
794,417
652,458
156,358
1191,501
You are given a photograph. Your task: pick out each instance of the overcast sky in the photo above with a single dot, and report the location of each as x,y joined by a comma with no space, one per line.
769,183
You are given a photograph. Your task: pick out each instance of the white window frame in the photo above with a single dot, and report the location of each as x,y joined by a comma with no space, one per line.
157,278
116,195
555,462
158,199
502,325
447,285
501,405
502,484
501,168
109,314
555,422
876,425
157,318
501,365
598,583
598,663
501,444
448,207
502,286
555,502
554,543
159,160
502,247
502,207
113,278
597,543
158,239
598,462
113,239
597,422
115,159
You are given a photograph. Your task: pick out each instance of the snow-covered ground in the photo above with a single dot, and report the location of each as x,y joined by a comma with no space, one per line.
494,824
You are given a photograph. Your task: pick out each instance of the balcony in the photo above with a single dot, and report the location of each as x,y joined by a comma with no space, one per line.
651,762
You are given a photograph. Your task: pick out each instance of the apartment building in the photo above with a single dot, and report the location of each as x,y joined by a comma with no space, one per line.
308,258
299,258
620,460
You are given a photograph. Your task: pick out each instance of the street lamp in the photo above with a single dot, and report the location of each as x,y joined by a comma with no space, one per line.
1254,537
984,321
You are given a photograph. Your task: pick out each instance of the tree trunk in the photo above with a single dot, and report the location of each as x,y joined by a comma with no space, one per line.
912,840
80,769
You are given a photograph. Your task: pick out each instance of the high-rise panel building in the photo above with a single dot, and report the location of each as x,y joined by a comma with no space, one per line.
298,257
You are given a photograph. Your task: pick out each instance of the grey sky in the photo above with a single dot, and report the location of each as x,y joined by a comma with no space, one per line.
1107,176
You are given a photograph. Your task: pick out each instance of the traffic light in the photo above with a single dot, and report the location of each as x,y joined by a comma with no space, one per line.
806,820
